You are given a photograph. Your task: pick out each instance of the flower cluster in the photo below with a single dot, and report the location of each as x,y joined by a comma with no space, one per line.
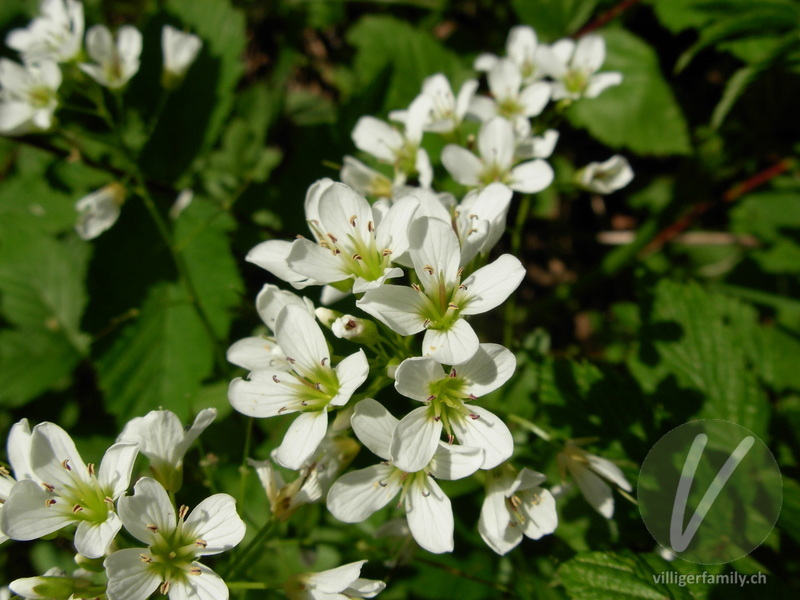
420,265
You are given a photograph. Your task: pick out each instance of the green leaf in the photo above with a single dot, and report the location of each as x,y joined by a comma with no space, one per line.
641,114
772,217
789,519
697,339
607,576
411,55
553,19
42,297
159,360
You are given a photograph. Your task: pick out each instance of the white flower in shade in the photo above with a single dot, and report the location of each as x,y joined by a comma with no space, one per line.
574,68
510,99
522,46
445,396
57,34
447,111
529,145
182,202
28,96
180,50
314,480
402,150
164,441
605,177
440,302
515,505
358,494
365,180
98,211
496,145
19,458
334,584
589,471
353,240
311,387
70,492
174,542
262,352
114,64
55,584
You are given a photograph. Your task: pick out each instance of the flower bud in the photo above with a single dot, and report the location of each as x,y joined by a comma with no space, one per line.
355,329
180,50
99,210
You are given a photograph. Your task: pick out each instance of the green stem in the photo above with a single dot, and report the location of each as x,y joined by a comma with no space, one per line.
246,585
510,310
258,541
243,470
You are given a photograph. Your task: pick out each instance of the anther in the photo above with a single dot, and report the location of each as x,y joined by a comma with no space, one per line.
76,509
332,238
201,543
452,305
450,438
386,252
474,417
336,252
290,360
426,323
48,487
49,502
370,226
172,554
428,269
195,571
90,468
356,256
462,287
304,403
183,511
425,494
382,483
275,379
65,464
323,361
352,221
300,237
459,272
437,418
110,501
515,501
145,558
415,287
472,397
318,385
350,325
4,472
431,397
151,528
453,372
164,588
282,408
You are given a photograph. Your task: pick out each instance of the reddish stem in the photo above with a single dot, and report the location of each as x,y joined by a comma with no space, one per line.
607,16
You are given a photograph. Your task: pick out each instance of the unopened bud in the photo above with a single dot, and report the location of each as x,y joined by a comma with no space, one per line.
355,329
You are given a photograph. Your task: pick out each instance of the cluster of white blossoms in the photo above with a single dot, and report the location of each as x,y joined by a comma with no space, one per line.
419,263
53,49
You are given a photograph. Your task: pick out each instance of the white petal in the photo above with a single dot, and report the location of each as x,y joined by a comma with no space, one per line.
494,524
19,449
504,81
217,523
50,447
263,394
358,494
526,479
351,372
453,462
521,44
302,439
93,539
482,108
539,510
534,98
25,516
487,432
129,577
374,425
600,82
205,586
392,232
315,262
150,505
271,300
398,307
335,580
256,354
609,470
430,516
590,53
597,493
489,369
496,142
462,165
452,346
424,168
100,44
364,588
313,197
114,474
489,286
485,62
301,339
344,213
415,440
377,137
465,96
531,177
272,256
433,245
414,376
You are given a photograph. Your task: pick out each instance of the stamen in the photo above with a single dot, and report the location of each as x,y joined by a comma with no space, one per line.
386,252
437,418
474,417
90,468
515,501
452,305
201,543
453,373
370,226
472,397
382,483
172,554
195,571
323,361
357,256
49,502
415,287
164,589
4,472
65,464
425,494
426,323
350,325
336,252
275,379
76,509
300,237
353,221
431,397
183,511
332,238
290,360
450,438
462,287
428,269
304,403
151,528
145,558
459,272
282,408
48,487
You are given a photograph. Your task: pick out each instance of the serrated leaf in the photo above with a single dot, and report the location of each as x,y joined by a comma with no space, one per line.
159,360
410,53
553,19
641,114
607,576
697,338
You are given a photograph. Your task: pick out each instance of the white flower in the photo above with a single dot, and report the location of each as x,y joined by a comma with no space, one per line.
365,180
28,96
356,329
447,112
605,177
99,210
19,458
55,35
180,50
587,470
496,145
522,47
509,99
445,394
115,64
314,480
515,505
440,302
358,494
70,492
311,386
55,584
262,352
182,202
164,441
354,241
174,542
333,584
402,150
574,68
533,146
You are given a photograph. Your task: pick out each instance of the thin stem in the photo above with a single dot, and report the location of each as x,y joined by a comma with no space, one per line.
510,309
247,585
459,573
258,541
243,470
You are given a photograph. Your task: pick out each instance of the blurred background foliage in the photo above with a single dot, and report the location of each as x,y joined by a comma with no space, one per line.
675,298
